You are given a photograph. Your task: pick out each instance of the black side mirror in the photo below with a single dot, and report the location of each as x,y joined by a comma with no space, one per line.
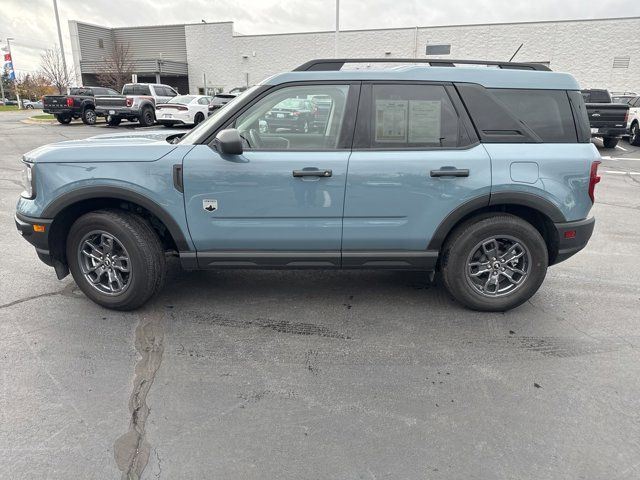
229,141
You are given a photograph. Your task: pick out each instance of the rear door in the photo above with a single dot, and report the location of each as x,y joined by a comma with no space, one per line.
280,202
415,160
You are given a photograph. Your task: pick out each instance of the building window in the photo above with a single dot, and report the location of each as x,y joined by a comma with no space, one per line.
100,43
621,62
438,49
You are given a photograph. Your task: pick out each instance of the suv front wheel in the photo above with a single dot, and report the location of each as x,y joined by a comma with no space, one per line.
494,263
116,258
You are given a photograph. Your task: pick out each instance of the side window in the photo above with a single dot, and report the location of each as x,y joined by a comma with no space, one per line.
546,112
203,101
128,90
413,116
168,91
142,90
282,120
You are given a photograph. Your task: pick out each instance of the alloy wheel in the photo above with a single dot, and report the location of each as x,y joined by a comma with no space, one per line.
104,262
498,266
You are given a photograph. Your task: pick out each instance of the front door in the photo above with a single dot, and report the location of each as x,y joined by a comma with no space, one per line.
415,160
280,202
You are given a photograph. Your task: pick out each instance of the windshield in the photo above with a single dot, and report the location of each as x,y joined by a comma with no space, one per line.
202,130
182,99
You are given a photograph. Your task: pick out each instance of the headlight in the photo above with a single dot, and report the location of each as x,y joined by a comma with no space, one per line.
27,180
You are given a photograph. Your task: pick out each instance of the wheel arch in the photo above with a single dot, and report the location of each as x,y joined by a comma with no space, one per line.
539,212
69,207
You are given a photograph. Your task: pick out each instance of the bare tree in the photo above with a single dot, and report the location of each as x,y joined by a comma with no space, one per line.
52,68
117,67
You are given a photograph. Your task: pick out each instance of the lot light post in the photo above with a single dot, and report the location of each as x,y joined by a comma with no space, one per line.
337,28
55,10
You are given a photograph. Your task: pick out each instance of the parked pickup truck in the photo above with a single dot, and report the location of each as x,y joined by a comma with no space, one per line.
79,103
607,120
137,103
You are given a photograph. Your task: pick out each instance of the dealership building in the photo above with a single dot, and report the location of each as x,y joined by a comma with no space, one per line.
602,53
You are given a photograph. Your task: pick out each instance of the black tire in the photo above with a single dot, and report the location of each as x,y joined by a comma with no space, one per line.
634,135
198,118
147,117
141,243
610,142
29,107
468,238
89,116
113,121
63,119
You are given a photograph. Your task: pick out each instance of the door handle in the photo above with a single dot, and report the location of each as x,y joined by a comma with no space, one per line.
312,173
450,172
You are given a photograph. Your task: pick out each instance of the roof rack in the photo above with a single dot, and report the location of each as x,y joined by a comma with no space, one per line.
333,64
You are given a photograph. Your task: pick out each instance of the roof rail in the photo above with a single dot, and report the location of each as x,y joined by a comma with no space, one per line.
333,64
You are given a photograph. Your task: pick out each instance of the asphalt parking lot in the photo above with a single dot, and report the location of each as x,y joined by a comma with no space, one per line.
309,375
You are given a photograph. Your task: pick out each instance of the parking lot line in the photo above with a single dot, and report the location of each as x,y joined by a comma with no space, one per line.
617,172
607,157
621,148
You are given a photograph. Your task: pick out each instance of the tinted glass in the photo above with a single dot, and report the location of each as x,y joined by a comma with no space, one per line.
546,112
413,116
596,96
279,120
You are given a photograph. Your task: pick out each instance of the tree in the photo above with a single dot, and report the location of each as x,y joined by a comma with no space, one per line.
33,86
52,69
117,68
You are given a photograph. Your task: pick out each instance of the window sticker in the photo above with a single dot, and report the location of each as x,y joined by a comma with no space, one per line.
391,120
424,121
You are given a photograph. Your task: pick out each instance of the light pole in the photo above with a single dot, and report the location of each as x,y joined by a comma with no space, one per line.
337,28
55,10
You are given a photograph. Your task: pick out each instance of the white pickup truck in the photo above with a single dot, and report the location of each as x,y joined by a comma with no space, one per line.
137,102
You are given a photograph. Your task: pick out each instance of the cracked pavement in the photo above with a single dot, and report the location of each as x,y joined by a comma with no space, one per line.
304,375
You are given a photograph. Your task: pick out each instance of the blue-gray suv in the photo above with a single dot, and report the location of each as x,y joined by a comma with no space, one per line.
481,171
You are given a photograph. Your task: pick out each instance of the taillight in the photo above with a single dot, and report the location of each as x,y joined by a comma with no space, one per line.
183,108
129,101
593,179
626,116
69,102
42,99
295,114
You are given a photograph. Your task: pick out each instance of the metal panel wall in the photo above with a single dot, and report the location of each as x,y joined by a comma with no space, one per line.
164,41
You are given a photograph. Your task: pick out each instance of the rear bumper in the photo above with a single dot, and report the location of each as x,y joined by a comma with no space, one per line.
58,111
124,112
40,240
610,132
572,237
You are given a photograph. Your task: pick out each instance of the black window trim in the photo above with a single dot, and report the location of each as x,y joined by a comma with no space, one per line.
362,135
345,138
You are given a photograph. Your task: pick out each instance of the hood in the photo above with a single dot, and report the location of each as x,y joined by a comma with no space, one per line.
131,146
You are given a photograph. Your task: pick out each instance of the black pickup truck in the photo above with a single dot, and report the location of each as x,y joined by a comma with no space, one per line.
80,103
607,120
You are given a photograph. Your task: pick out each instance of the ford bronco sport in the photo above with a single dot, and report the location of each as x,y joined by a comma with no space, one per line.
486,175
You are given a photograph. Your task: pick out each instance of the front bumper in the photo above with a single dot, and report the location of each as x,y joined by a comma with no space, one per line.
572,237
39,239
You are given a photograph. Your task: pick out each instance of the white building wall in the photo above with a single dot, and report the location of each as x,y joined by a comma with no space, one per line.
584,48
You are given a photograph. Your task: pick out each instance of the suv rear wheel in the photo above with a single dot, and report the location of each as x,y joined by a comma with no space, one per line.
494,263
116,258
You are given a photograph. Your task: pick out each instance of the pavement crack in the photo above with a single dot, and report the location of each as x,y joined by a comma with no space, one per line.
67,290
132,449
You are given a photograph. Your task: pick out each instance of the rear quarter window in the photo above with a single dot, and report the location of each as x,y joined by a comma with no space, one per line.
546,112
